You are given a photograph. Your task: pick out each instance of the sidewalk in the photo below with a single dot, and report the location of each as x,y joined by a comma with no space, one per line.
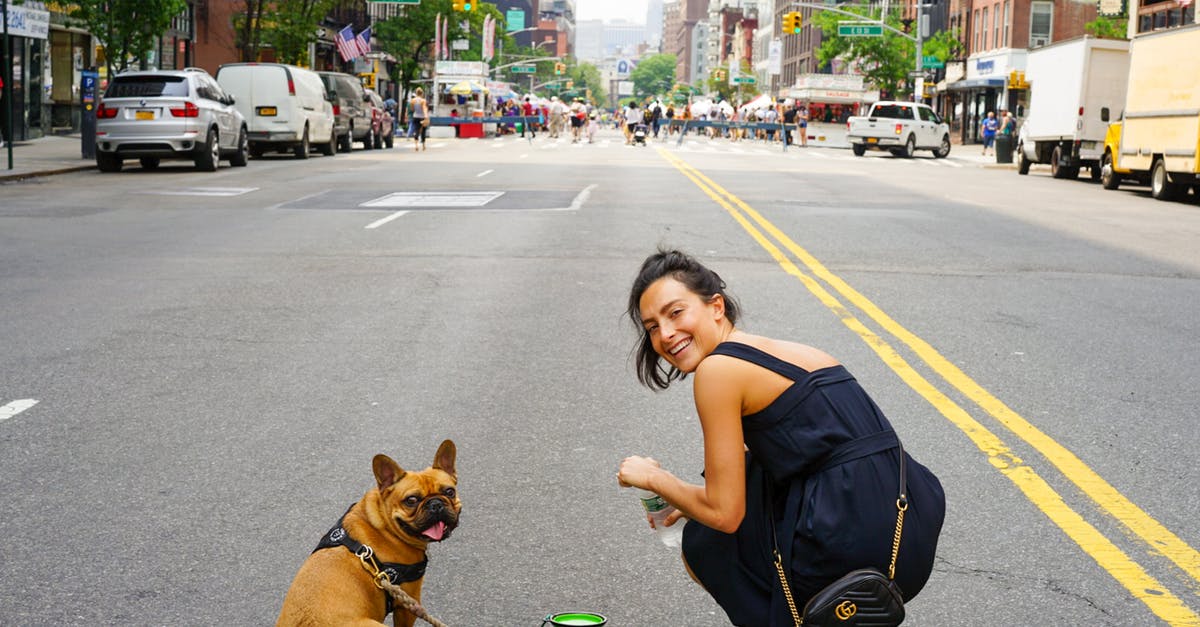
53,154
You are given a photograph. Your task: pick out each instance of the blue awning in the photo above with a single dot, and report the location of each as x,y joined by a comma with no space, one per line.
975,83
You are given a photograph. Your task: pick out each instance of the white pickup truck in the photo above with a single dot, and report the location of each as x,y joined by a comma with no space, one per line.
902,128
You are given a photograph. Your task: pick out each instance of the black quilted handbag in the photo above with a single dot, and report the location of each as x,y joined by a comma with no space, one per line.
862,598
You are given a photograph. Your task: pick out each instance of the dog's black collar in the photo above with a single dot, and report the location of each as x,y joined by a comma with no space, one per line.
396,573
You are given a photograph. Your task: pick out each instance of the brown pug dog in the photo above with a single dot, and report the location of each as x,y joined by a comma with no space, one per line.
397,520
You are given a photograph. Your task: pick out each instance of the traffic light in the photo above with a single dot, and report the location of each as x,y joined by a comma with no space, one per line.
792,22
559,68
462,5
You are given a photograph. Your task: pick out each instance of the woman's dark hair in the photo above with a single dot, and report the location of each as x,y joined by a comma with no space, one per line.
693,275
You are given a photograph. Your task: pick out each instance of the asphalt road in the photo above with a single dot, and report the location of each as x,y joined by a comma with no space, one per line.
215,359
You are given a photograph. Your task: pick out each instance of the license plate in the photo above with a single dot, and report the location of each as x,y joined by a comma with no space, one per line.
872,140
267,111
143,115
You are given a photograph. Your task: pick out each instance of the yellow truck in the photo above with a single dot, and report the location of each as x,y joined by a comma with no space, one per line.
1157,140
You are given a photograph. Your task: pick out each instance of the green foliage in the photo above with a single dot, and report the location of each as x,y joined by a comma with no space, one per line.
587,76
292,26
409,37
654,75
944,45
721,89
128,29
884,61
1108,27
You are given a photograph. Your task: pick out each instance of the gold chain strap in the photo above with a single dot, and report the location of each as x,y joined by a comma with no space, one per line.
787,591
902,506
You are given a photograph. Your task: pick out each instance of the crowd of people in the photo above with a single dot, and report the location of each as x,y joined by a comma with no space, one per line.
781,120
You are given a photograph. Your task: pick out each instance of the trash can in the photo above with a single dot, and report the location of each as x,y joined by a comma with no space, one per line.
1004,148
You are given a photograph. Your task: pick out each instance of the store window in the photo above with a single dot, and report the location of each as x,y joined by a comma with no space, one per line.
987,27
1041,23
1160,14
1007,22
997,42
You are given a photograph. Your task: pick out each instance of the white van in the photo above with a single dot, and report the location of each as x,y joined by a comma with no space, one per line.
286,107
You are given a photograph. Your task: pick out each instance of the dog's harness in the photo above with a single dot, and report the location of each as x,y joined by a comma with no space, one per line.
396,573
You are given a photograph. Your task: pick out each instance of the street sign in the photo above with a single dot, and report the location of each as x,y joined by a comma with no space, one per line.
928,62
524,69
860,30
739,80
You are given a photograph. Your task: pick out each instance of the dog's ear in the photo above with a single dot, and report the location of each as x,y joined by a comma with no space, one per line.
387,471
444,459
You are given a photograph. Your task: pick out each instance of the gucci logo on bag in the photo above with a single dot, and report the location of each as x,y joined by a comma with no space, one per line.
845,610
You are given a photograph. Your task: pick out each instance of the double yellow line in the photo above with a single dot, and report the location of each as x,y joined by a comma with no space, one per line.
1127,572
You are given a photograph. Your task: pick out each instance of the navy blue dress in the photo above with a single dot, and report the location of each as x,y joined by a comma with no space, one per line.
839,514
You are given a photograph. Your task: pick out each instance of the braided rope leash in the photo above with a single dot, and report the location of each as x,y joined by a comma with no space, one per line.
407,602
402,598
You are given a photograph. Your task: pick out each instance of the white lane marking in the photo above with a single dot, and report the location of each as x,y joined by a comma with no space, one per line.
582,197
16,407
204,191
382,221
484,173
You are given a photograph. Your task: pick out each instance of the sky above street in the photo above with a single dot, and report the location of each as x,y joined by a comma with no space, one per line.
631,10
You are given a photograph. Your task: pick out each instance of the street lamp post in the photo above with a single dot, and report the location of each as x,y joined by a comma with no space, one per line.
6,123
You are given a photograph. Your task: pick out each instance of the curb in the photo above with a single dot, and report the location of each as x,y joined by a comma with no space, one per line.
40,173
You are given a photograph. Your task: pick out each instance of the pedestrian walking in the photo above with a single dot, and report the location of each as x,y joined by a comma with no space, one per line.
592,127
530,120
420,116
988,128
1008,125
802,123
789,121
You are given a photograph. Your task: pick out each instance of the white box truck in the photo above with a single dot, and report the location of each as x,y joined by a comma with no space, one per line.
1157,141
1075,86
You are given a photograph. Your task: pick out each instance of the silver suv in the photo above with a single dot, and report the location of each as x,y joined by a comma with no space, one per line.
168,114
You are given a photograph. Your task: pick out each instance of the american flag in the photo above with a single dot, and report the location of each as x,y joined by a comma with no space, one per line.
363,41
345,43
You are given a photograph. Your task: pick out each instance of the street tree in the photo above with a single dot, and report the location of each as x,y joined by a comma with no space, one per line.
587,77
653,75
409,37
884,61
287,26
293,26
127,29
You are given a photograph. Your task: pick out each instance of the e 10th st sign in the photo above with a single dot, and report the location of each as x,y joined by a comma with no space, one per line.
860,30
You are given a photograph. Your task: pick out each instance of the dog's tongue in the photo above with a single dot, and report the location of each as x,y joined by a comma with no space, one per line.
435,532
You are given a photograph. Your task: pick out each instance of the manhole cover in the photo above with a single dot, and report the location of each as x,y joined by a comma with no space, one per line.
434,199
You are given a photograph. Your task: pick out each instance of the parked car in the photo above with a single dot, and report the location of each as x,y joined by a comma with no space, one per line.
285,107
168,114
383,125
350,109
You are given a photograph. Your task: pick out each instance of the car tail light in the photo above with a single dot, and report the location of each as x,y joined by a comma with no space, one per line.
1080,111
291,87
105,113
188,110
899,129
337,110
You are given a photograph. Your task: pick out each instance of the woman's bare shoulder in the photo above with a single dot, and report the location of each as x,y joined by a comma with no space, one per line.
802,355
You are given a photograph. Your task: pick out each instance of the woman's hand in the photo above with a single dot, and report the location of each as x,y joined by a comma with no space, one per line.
636,471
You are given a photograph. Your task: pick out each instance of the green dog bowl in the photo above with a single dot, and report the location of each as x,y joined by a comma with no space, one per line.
575,619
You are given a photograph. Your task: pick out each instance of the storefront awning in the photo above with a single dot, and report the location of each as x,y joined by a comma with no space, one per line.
975,83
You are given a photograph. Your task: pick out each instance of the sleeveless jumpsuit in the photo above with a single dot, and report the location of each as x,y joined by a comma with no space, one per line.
823,464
